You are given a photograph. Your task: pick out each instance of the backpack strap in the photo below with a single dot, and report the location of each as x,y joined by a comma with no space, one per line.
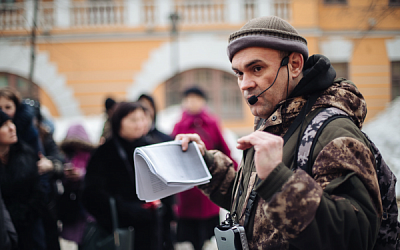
311,134
388,236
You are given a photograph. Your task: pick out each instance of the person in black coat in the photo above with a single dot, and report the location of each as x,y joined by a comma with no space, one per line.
23,115
110,172
155,136
20,187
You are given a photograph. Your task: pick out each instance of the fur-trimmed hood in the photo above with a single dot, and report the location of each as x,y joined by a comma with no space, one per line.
70,146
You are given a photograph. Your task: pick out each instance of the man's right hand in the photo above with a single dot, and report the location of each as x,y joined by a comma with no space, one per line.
186,138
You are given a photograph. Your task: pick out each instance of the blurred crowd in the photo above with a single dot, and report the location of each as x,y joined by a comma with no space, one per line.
50,190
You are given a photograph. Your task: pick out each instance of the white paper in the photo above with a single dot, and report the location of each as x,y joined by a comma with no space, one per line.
164,169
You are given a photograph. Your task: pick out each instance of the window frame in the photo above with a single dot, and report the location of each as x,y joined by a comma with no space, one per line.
394,80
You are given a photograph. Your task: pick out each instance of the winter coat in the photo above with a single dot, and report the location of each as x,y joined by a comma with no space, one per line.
8,235
339,206
156,136
22,193
192,204
77,149
109,175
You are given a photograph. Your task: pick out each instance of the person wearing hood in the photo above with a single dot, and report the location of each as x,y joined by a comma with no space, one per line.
77,149
339,205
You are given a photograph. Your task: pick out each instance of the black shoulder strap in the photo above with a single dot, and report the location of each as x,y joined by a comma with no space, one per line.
300,117
296,123
311,134
124,158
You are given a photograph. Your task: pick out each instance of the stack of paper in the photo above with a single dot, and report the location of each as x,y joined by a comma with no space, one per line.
164,169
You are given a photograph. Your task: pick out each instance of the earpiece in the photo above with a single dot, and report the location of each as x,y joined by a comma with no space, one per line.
285,61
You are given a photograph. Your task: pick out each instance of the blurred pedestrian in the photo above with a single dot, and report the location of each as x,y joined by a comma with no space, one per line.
197,215
111,172
156,136
20,187
50,167
23,116
77,149
110,106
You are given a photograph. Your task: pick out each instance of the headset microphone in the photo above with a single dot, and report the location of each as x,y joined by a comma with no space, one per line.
253,99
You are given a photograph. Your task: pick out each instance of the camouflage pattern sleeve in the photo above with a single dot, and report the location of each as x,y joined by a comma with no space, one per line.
340,207
219,189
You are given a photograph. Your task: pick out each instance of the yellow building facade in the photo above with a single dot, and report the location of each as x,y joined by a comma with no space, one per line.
89,50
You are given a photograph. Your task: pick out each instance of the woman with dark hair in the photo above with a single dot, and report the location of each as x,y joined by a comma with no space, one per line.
23,115
20,187
110,172
156,136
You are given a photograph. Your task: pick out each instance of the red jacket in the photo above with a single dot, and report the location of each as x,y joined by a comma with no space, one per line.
193,203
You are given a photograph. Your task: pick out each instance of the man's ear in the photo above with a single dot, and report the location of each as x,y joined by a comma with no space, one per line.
296,64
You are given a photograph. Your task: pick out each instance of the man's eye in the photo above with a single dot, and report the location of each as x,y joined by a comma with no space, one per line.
237,73
257,69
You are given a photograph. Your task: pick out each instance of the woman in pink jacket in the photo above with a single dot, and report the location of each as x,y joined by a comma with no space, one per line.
77,149
197,215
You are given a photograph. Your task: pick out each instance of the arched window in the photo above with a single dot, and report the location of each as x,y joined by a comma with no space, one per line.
26,88
224,96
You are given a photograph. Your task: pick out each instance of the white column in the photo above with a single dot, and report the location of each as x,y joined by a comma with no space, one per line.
29,6
264,8
62,9
133,8
235,15
165,8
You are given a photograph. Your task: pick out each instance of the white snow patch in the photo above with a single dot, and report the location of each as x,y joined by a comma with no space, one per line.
385,133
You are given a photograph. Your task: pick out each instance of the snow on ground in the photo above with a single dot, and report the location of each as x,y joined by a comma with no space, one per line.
384,131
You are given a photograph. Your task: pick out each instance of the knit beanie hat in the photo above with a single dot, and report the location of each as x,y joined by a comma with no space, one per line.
3,118
77,132
267,32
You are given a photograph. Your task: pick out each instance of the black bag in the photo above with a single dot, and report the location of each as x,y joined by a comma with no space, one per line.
97,238
69,205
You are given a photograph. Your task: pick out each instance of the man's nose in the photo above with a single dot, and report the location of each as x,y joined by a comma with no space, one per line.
247,82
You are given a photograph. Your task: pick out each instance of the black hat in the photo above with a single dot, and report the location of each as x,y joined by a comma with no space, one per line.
109,103
194,90
3,118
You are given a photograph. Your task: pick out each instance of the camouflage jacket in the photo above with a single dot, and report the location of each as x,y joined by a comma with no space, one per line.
339,207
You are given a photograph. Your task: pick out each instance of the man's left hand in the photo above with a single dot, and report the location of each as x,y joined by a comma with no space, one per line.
268,151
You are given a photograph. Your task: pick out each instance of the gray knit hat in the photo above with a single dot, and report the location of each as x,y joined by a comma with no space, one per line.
268,32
